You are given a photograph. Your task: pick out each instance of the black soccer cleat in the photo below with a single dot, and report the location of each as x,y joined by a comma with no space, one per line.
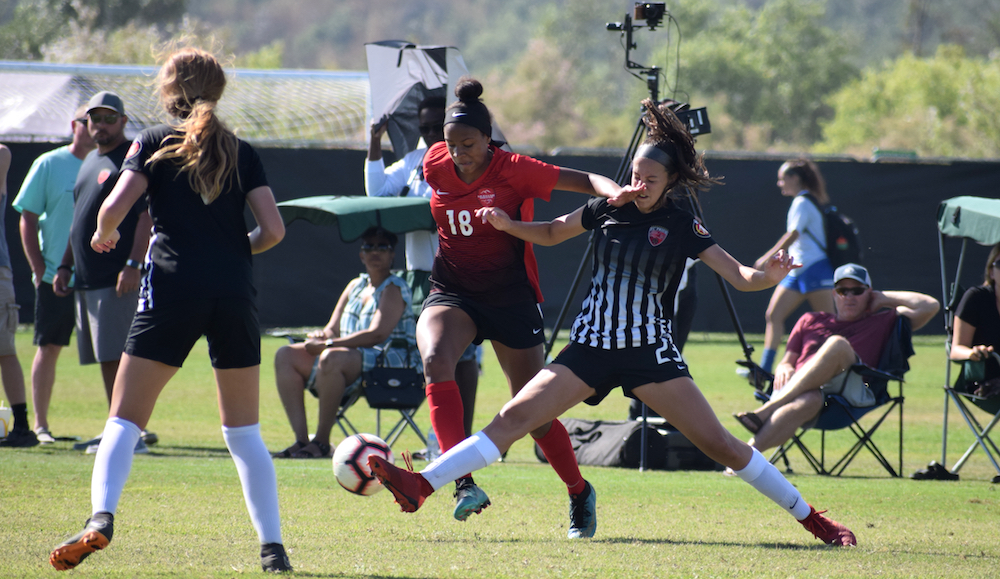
273,558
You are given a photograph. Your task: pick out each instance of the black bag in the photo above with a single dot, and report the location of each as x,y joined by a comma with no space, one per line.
393,387
619,443
843,240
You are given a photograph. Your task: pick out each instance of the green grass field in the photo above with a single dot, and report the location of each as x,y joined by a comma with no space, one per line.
182,513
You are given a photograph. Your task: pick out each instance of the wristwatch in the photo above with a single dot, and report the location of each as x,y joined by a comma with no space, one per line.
133,263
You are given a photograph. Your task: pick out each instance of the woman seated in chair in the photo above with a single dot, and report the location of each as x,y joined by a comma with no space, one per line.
372,316
976,335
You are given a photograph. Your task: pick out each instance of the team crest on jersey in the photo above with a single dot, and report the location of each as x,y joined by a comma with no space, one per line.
699,229
486,197
657,235
134,149
103,176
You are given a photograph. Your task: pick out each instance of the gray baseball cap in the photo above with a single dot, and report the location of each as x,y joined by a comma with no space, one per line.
852,271
106,100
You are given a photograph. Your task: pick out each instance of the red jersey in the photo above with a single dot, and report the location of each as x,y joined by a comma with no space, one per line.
473,258
867,335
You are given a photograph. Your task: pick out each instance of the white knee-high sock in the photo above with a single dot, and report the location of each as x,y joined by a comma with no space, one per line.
112,464
257,476
473,453
762,475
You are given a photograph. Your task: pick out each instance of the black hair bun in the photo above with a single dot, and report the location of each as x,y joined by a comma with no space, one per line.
468,89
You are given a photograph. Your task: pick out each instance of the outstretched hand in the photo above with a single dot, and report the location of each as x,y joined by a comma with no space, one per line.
778,265
626,195
495,216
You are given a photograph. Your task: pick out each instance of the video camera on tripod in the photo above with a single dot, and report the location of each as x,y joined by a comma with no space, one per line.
653,13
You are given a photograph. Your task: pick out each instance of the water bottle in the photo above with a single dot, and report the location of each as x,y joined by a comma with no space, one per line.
433,449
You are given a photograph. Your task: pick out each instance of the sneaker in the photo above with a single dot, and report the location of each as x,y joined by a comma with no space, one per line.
140,448
20,439
743,372
96,535
469,499
86,445
827,530
149,438
583,514
409,488
44,436
273,558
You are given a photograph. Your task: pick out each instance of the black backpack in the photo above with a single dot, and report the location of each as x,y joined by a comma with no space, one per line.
843,241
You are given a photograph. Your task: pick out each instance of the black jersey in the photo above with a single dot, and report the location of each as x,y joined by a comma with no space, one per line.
97,177
637,265
197,250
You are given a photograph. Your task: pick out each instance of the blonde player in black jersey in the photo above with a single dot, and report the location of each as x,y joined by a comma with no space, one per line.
198,280
622,337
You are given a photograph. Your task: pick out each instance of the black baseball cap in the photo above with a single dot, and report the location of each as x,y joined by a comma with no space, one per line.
106,100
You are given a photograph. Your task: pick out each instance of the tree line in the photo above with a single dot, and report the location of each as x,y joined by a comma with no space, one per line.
810,76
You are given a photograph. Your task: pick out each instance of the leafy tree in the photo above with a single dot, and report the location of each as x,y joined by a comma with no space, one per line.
945,105
769,69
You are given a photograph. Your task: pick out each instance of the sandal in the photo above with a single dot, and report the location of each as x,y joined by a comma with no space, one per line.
314,450
290,451
750,421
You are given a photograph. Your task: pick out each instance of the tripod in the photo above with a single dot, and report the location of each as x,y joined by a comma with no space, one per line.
622,177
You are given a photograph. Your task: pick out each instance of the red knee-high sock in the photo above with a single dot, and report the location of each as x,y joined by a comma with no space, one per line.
558,450
447,413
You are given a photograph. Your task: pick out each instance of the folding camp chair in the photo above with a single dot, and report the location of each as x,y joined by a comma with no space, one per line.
838,413
419,283
968,219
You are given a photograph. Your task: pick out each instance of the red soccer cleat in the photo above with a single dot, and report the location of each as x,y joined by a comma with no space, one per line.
409,488
827,530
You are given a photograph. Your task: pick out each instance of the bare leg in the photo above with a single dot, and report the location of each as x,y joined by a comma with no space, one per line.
783,302
467,377
684,407
338,367
13,379
519,366
833,357
292,367
43,379
783,423
108,372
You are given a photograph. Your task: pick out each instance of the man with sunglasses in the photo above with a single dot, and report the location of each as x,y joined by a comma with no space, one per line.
106,284
822,348
405,178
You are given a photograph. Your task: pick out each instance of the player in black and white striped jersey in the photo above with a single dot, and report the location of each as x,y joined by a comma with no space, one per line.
622,336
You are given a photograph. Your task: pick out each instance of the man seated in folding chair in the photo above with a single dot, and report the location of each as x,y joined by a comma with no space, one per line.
373,323
822,348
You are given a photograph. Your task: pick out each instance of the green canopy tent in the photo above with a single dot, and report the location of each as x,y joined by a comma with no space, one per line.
973,219
355,214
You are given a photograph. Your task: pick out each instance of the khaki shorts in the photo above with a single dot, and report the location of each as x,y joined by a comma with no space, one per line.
102,323
8,313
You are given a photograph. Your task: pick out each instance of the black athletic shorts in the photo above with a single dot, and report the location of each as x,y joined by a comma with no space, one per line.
517,326
55,317
605,370
167,333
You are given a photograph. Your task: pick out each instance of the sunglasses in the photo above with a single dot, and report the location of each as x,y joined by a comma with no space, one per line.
108,119
81,120
382,247
430,129
850,291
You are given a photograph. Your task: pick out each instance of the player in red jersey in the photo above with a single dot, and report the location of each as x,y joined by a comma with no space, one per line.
485,282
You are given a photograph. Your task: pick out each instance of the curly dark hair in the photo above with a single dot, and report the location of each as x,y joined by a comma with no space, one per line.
665,131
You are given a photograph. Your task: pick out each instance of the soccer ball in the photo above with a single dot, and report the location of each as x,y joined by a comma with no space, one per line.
350,463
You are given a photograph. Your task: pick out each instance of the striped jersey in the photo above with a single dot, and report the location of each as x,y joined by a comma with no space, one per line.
638,262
